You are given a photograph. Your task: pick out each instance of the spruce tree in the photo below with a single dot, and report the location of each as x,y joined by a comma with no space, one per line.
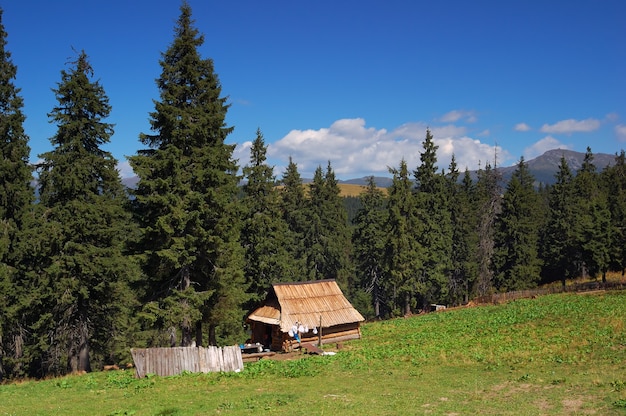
186,200
516,260
488,202
403,254
16,197
264,232
327,237
464,241
593,227
614,180
84,227
368,240
559,250
433,213
293,205
314,233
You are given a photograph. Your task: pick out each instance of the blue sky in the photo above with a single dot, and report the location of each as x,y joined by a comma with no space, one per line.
355,83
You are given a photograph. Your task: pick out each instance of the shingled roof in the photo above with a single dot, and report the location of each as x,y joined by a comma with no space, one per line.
306,302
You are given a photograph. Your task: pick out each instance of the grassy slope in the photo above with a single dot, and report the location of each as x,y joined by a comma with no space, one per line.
555,355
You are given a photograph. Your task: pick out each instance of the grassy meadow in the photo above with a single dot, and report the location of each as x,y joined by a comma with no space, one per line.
555,355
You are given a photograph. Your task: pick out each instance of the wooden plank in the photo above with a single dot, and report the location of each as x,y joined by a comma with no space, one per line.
139,360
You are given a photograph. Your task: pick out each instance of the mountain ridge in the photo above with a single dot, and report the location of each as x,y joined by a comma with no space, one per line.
543,168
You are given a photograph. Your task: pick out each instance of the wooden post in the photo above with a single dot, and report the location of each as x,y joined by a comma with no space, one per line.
319,334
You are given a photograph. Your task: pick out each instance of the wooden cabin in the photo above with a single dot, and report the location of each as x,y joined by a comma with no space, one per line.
318,306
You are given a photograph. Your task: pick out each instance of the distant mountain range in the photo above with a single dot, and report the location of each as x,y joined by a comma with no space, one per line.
543,168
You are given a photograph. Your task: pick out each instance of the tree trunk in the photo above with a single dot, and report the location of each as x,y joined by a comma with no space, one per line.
407,304
18,342
83,358
212,335
172,335
376,300
199,334
185,340
83,346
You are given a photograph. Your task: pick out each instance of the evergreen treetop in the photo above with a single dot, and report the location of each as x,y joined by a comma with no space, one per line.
191,112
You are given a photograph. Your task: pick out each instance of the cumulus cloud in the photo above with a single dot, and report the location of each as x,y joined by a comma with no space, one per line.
571,126
456,115
242,153
542,146
620,132
356,150
522,127
125,170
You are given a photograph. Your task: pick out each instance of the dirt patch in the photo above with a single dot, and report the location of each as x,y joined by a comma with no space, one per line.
508,388
572,405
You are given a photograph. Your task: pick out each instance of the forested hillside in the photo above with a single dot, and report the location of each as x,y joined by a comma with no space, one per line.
91,268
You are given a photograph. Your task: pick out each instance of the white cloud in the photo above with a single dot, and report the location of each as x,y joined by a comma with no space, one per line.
522,127
456,115
620,132
125,170
242,153
542,146
571,126
355,150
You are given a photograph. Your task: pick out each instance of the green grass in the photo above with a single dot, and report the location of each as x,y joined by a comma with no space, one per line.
555,355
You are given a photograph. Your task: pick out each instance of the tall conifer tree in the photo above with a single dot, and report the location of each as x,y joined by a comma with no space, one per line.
85,226
488,200
264,234
433,213
293,204
327,236
559,250
403,254
464,241
369,244
615,187
516,260
593,219
16,197
186,200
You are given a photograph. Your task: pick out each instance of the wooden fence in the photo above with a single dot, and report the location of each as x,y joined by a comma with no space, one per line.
173,361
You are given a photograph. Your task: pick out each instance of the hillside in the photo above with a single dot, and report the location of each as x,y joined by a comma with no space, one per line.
554,355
